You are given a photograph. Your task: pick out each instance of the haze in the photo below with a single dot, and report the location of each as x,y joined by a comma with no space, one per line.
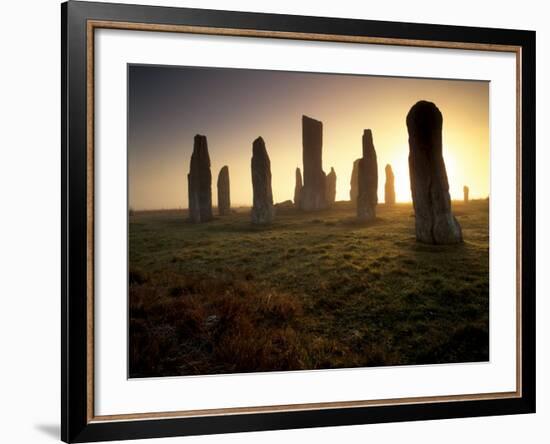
167,106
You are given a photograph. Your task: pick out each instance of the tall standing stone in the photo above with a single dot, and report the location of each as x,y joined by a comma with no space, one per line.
224,200
466,194
354,182
434,220
367,180
199,182
298,188
330,192
313,192
262,208
389,187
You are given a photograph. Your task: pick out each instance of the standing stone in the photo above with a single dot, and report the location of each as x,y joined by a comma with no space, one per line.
330,192
466,194
367,179
389,188
199,182
313,192
298,188
262,208
354,182
224,201
434,221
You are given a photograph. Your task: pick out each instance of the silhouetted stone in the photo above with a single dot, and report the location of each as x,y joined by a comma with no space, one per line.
389,187
466,194
286,205
354,182
313,191
199,182
298,188
367,179
434,221
330,192
262,209
224,201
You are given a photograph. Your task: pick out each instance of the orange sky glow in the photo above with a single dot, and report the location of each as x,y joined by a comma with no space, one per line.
169,105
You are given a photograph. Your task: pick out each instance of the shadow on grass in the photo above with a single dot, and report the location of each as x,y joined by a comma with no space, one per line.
355,222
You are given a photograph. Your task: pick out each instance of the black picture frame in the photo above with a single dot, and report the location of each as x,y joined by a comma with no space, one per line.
76,424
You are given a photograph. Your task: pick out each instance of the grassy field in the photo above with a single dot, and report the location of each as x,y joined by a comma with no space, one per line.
312,291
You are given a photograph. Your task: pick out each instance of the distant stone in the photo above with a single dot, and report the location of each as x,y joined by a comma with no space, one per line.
389,187
287,204
313,191
354,182
224,201
367,179
330,192
466,194
434,220
262,208
199,182
298,188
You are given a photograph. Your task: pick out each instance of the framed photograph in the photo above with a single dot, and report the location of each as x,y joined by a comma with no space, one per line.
275,221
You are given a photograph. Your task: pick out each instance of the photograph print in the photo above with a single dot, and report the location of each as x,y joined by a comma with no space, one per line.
285,221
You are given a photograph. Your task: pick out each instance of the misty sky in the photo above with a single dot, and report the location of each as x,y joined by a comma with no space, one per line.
167,106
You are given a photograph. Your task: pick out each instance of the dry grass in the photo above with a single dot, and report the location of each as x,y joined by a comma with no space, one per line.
196,325
311,291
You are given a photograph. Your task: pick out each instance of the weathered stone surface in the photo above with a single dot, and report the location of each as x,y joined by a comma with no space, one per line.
466,194
224,200
389,187
199,182
354,182
434,220
367,179
298,188
262,208
330,192
313,191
